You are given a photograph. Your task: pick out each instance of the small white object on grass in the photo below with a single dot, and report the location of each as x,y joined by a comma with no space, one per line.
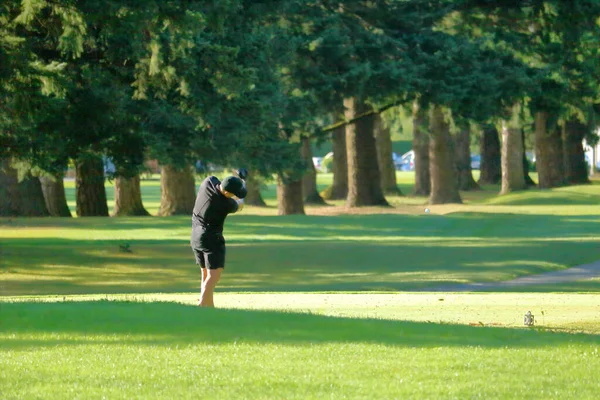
427,210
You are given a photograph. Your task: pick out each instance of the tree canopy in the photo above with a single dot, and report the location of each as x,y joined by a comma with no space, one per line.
232,82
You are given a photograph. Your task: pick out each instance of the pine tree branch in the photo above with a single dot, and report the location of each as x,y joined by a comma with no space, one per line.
339,124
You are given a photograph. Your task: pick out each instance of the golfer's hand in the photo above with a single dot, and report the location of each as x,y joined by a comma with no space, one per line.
240,203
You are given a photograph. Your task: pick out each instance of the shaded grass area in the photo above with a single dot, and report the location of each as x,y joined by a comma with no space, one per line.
164,322
148,350
295,253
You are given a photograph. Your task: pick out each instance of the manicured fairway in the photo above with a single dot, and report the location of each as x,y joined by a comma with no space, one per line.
310,307
130,350
296,253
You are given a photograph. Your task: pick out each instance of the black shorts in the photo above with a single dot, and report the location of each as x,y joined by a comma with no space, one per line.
208,251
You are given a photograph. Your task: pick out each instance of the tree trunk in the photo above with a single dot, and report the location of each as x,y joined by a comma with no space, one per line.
254,198
20,199
54,195
9,190
420,145
89,186
32,203
512,154
490,171
444,182
385,161
178,191
463,159
309,180
594,162
528,180
576,170
548,153
289,197
128,198
339,189
364,182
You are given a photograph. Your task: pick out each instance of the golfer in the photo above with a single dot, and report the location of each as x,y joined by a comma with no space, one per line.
214,201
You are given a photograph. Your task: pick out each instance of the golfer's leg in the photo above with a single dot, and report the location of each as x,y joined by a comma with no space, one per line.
208,287
204,277
201,262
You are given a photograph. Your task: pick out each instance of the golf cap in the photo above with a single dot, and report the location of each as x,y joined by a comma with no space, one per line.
234,185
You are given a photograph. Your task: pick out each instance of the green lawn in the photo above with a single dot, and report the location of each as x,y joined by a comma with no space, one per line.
487,239
378,252
142,350
316,306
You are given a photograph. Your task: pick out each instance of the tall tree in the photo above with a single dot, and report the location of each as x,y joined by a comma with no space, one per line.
339,188
31,198
53,188
289,195
178,191
364,182
345,57
253,185
573,133
383,141
490,168
128,197
9,192
549,152
512,153
309,180
90,193
528,180
561,53
420,145
444,182
463,158
20,195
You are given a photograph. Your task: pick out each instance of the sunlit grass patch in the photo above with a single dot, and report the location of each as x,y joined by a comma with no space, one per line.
168,350
295,253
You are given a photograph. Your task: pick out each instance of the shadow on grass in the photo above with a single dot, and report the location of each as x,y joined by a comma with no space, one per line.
68,266
172,323
99,223
456,225
295,253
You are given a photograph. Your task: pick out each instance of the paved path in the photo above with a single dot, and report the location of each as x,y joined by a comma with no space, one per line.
573,274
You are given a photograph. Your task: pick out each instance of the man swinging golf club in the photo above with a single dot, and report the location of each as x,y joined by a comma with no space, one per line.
215,200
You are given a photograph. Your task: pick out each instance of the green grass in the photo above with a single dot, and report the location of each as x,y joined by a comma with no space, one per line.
574,312
295,253
309,305
167,350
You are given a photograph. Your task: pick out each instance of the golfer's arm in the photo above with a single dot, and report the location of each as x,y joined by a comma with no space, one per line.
240,204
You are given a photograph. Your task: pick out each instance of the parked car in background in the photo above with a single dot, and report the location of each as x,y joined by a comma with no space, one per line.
317,161
475,161
406,162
